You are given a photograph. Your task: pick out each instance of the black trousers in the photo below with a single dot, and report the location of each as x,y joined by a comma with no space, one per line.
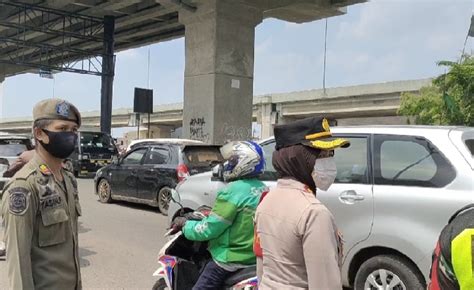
212,277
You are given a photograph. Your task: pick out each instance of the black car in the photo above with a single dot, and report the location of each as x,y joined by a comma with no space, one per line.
93,150
147,173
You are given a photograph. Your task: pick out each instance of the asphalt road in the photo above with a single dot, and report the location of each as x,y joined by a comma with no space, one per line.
119,243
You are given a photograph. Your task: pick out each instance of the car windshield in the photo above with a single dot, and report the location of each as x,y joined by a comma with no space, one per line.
96,142
11,148
202,156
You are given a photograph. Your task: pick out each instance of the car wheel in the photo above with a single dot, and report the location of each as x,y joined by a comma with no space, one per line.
104,191
388,272
164,197
160,285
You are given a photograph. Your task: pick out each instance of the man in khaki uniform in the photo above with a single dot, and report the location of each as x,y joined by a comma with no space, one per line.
40,206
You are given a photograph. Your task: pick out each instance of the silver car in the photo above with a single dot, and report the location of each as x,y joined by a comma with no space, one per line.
395,189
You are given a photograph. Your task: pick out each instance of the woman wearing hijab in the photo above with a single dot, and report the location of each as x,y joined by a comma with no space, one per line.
300,243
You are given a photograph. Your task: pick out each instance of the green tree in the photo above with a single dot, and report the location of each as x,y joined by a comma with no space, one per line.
448,101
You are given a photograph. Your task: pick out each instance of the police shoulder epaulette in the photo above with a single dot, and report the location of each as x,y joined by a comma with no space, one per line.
24,173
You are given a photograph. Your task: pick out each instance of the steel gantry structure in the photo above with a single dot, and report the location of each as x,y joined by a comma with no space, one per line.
80,36
19,48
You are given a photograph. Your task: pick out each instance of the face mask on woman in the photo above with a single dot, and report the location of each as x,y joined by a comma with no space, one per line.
61,144
324,172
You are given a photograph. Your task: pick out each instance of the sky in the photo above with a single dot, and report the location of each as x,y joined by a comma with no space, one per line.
377,41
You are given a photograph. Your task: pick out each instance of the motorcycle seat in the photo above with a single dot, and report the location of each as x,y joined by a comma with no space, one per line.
241,275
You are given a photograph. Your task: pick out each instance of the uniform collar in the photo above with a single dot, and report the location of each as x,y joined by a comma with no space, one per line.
38,163
293,184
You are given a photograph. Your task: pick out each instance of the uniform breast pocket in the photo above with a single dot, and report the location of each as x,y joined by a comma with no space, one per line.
53,227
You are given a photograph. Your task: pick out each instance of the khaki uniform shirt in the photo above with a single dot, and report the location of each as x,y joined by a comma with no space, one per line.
41,230
300,242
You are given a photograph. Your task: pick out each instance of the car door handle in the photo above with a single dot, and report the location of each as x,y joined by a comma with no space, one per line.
350,196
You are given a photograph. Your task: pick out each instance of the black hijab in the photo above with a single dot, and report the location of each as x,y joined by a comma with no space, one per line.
296,162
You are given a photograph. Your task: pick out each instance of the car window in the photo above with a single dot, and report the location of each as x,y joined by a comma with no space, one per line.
202,156
134,157
270,172
407,160
157,156
470,145
352,165
12,147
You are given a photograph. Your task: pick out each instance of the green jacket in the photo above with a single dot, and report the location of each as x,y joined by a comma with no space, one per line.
229,227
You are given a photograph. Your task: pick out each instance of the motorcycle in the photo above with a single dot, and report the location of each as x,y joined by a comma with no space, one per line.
181,262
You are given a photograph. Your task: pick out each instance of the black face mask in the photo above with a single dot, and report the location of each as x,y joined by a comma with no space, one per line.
61,144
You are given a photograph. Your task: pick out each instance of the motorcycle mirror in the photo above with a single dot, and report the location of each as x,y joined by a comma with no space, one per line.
217,172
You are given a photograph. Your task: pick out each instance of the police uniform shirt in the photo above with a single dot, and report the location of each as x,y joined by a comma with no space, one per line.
41,229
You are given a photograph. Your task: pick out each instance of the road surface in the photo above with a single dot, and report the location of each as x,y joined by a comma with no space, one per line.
118,243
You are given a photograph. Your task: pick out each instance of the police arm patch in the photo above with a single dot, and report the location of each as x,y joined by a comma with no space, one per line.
18,202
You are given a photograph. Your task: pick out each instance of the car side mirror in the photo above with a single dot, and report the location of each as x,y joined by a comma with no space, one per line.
115,160
217,172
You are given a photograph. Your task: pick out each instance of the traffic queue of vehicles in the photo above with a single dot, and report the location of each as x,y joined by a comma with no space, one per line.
93,151
395,189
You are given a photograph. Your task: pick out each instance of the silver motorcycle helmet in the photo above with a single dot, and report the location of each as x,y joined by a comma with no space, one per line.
244,159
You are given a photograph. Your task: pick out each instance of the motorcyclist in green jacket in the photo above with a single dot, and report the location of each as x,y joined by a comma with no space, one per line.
229,227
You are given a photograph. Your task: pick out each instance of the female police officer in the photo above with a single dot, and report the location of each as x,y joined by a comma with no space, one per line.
301,245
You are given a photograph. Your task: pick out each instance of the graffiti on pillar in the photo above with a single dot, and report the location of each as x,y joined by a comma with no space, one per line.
236,133
196,129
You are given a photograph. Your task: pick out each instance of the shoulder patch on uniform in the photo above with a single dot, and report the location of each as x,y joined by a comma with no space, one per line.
18,200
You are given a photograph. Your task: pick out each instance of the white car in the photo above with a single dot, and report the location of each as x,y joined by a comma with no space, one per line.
135,143
395,189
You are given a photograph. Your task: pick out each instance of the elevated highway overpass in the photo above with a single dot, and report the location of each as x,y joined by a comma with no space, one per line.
363,104
41,31
82,36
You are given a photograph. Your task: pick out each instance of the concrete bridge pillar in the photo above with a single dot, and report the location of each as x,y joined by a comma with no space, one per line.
218,83
267,117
